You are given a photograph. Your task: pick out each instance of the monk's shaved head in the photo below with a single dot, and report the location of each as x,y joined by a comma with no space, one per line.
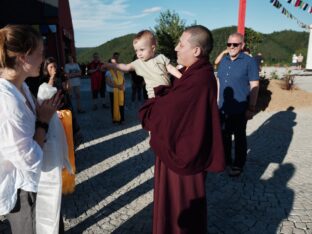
201,37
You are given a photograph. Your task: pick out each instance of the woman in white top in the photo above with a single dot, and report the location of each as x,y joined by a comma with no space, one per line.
23,125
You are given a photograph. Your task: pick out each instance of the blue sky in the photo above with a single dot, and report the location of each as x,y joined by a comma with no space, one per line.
98,21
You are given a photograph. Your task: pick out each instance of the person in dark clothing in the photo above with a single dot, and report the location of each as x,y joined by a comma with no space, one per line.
185,131
96,77
238,78
136,85
259,61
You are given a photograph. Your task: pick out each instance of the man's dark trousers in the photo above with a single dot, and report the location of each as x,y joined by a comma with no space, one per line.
234,125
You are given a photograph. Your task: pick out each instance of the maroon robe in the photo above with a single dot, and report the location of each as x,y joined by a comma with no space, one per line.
97,76
186,138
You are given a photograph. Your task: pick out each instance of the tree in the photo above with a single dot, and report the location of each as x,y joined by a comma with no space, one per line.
168,31
252,39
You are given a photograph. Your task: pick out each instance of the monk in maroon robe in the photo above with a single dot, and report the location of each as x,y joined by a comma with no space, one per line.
186,137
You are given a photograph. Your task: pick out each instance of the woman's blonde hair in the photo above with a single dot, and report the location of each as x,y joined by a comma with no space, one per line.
17,40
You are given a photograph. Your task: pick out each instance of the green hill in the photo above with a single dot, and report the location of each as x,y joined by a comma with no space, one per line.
276,47
123,45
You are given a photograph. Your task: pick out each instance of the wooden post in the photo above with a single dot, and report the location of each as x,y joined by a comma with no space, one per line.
241,17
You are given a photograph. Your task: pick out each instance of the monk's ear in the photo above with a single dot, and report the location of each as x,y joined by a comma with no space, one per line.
197,51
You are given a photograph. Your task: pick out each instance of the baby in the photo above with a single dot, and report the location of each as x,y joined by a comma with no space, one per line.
153,68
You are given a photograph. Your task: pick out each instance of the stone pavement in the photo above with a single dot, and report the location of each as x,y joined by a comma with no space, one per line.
115,177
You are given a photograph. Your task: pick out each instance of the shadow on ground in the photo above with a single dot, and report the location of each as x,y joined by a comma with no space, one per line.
259,200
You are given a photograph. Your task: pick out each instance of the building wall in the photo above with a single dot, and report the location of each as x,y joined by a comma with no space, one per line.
66,32
42,13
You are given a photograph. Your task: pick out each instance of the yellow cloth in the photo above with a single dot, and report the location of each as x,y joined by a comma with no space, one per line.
68,178
119,96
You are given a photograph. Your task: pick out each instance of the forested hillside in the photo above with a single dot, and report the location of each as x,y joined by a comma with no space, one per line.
123,45
276,48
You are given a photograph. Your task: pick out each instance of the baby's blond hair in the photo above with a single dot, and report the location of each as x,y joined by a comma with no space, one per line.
146,34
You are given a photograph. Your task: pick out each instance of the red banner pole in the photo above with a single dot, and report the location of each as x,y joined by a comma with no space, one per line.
241,17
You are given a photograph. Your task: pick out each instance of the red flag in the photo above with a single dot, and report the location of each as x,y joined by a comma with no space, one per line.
297,3
241,17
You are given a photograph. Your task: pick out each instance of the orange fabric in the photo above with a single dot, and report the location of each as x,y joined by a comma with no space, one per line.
68,179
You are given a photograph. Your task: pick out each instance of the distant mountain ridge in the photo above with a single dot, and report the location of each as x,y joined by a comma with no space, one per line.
276,48
122,44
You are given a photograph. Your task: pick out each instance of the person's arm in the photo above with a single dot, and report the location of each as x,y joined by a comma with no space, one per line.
218,88
119,66
173,71
254,89
69,74
77,72
220,56
90,71
253,77
74,74
44,113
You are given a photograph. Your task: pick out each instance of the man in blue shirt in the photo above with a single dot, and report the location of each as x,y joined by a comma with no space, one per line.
238,79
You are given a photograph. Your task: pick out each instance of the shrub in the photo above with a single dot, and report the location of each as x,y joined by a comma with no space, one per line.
289,81
274,76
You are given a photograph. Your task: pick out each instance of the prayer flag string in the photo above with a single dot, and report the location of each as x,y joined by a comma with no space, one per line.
301,4
297,3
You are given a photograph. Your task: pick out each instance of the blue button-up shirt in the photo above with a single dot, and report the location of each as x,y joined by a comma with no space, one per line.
234,77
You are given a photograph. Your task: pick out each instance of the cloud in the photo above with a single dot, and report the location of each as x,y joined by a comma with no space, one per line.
99,15
187,13
105,19
152,10
95,13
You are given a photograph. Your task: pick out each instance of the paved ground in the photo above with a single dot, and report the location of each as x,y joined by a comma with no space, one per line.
115,178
